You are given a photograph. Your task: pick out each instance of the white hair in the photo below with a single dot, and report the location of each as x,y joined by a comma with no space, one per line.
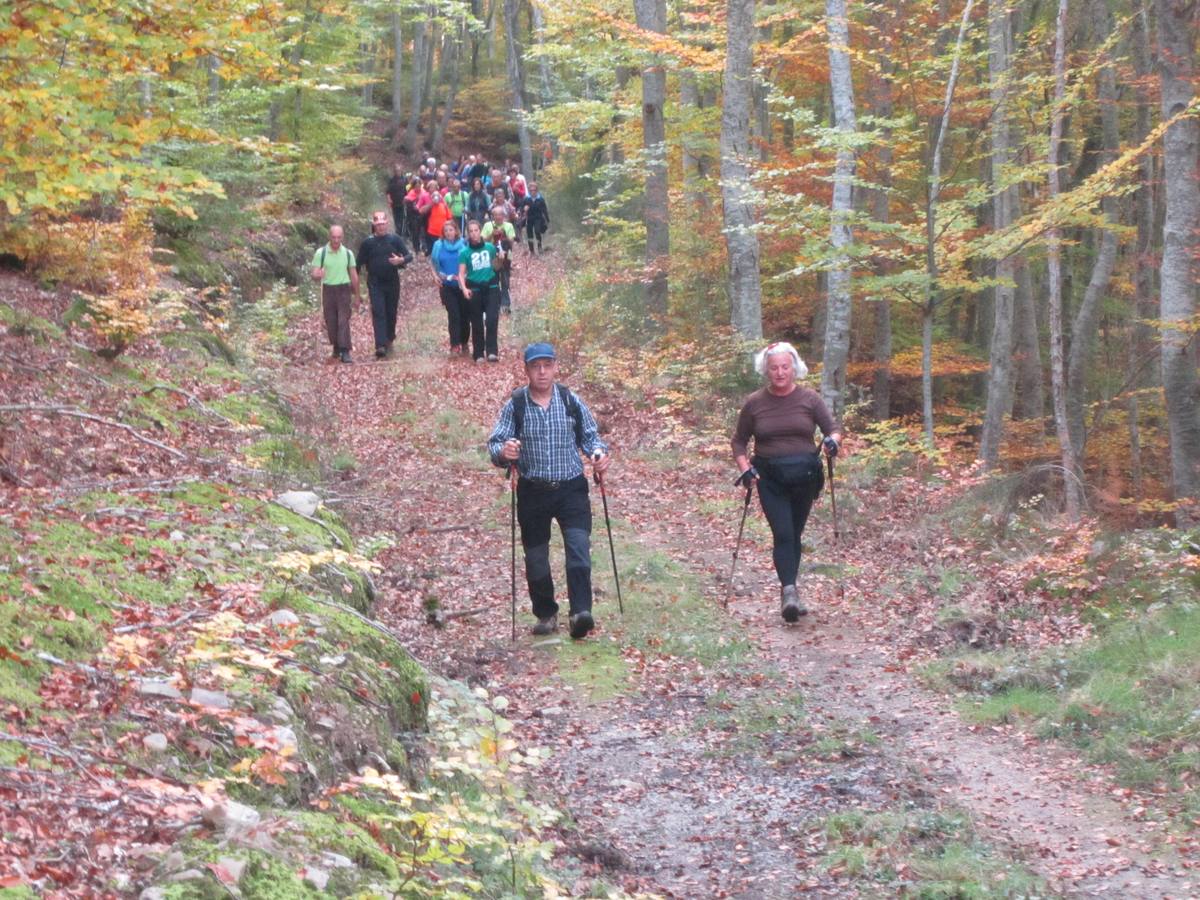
760,358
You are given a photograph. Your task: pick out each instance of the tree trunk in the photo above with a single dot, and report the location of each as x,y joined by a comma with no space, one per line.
651,15
214,79
516,81
837,321
421,36
932,289
741,241
1058,387
1083,331
999,380
882,102
1029,401
366,50
450,56
1177,21
1144,262
294,56
397,75
694,189
430,93
539,30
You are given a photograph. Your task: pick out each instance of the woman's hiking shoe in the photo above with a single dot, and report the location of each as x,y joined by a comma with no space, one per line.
793,609
581,624
548,625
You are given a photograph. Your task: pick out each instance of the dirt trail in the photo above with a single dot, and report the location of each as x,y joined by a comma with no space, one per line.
661,798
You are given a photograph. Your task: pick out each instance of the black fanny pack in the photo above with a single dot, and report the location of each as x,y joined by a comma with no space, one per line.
792,471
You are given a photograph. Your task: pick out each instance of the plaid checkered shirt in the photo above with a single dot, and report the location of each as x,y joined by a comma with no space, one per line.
548,450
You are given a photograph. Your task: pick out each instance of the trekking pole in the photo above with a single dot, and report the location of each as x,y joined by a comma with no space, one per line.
512,477
738,545
599,479
832,497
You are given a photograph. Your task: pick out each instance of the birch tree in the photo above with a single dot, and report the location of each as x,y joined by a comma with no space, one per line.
837,319
516,81
741,242
1177,22
651,16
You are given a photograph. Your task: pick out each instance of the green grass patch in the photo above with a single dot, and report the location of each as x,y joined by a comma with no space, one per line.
921,853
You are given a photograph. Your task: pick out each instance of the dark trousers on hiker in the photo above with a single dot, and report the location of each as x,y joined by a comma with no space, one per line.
335,303
475,310
485,302
787,488
385,301
503,280
458,315
534,230
538,504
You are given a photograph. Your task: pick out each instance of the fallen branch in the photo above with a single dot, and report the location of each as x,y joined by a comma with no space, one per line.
53,750
175,623
440,529
192,400
438,618
333,534
77,413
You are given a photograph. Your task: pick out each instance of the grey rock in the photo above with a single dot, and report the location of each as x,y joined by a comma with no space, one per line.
216,699
173,861
229,816
156,742
158,687
233,866
336,860
303,502
153,893
286,738
281,711
178,535
187,875
318,878
283,618
332,662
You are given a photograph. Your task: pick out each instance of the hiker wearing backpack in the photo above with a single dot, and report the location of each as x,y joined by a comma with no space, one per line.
478,203
541,430
535,215
477,266
447,251
501,233
333,269
782,418
384,254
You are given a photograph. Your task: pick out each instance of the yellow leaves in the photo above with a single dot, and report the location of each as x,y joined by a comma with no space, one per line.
127,651
269,767
295,562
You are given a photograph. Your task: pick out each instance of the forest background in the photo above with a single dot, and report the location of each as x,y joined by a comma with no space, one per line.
977,221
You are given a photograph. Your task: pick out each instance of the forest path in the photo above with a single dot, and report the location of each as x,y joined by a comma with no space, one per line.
696,753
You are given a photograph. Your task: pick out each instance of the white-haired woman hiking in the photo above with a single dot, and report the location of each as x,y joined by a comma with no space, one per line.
781,418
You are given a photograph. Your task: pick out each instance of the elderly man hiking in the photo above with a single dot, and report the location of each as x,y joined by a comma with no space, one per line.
384,253
333,268
541,429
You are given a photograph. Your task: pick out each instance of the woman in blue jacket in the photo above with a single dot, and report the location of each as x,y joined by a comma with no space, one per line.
444,258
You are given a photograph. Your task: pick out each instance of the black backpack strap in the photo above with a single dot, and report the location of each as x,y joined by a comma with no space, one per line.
519,398
572,406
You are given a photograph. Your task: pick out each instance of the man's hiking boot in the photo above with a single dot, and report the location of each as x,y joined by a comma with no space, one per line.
793,609
548,625
581,624
380,352
344,356
492,357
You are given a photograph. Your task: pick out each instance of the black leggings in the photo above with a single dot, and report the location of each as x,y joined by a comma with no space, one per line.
787,488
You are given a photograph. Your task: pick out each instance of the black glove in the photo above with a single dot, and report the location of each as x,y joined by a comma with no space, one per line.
746,478
831,447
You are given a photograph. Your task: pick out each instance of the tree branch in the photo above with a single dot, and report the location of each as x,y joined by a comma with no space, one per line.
77,413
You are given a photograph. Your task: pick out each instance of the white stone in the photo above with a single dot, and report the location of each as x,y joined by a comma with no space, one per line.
318,878
187,875
153,893
286,738
178,535
216,699
283,618
303,502
157,687
156,742
281,711
231,816
233,866
336,860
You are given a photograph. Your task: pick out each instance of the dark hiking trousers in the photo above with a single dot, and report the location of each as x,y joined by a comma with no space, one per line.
335,303
385,301
479,296
538,504
787,488
458,314
485,303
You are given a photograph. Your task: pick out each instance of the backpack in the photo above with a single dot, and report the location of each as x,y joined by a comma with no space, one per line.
520,397
326,247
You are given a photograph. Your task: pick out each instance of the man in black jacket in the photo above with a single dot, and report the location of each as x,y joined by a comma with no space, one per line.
384,253
532,210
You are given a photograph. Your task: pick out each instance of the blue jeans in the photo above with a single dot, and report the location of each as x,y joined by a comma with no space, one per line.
538,504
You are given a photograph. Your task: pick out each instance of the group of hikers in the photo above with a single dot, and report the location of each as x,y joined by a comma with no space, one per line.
469,239
545,431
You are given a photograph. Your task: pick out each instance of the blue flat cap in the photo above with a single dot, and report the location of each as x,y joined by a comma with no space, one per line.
539,351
